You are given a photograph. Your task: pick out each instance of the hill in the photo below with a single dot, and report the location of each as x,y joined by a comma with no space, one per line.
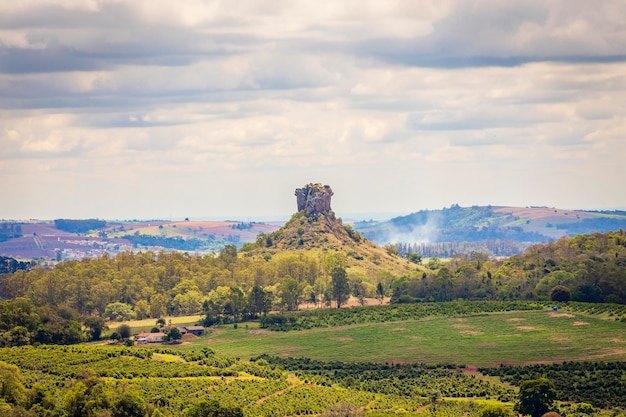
501,231
316,229
64,239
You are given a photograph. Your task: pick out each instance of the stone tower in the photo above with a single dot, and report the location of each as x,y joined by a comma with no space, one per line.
314,199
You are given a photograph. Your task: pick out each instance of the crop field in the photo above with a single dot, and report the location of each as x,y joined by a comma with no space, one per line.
146,325
517,337
435,365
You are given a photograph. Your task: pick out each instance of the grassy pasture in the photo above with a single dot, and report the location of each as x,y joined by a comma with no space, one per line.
145,325
518,337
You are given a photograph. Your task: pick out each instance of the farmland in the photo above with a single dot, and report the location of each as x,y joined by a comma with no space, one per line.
515,337
377,368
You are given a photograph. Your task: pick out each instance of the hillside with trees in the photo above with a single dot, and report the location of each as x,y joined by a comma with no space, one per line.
234,286
588,268
499,231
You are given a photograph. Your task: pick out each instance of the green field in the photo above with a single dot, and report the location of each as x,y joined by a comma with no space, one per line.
518,337
146,325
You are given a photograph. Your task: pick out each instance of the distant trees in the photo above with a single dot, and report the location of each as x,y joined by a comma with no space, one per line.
340,286
11,265
79,226
232,286
10,231
22,323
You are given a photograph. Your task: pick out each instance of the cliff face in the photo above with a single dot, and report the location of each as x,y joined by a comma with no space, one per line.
314,199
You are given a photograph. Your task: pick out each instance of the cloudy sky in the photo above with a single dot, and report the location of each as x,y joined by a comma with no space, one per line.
124,109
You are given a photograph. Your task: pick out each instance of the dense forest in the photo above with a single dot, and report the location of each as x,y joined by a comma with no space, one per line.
9,265
10,231
175,242
79,226
231,288
590,267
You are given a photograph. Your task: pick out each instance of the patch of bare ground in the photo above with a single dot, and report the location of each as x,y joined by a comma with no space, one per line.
515,319
580,323
560,339
614,352
219,340
260,332
288,351
399,329
527,328
416,337
471,332
553,314
616,340
342,339
461,326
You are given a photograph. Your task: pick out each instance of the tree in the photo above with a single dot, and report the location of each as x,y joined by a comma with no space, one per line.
380,292
536,397
560,293
124,331
290,293
129,404
174,334
259,301
358,290
119,311
95,325
142,309
339,286
11,389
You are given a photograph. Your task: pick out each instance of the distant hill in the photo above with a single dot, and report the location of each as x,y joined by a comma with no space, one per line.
501,231
315,229
77,239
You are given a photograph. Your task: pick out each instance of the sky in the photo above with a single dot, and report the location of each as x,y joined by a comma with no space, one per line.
158,109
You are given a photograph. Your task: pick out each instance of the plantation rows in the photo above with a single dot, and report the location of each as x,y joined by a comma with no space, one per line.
174,381
598,383
617,311
175,394
395,312
307,399
113,362
406,380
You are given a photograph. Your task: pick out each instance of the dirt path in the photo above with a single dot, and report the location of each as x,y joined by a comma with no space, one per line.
294,383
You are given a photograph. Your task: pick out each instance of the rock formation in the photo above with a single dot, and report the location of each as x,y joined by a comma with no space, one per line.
314,199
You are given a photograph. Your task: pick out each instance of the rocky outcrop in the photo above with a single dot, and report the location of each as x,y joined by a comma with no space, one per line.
314,199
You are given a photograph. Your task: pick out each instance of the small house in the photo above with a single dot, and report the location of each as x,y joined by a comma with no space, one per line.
156,337
196,330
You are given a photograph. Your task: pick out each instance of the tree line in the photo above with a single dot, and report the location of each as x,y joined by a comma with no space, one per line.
590,268
230,287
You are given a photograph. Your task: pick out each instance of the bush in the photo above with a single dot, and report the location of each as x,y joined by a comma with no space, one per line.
124,331
560,294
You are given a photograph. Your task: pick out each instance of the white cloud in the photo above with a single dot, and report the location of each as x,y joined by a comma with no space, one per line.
449,102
